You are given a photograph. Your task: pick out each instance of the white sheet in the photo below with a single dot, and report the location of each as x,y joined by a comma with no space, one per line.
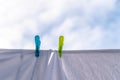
74,65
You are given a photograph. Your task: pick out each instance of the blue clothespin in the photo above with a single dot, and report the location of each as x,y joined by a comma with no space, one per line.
37,43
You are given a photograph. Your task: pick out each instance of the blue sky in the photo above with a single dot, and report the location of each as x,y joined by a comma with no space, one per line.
85,24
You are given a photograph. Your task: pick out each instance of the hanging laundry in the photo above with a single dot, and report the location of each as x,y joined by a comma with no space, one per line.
73,65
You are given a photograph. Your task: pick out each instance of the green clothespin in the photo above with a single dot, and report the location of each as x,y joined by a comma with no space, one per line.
61,43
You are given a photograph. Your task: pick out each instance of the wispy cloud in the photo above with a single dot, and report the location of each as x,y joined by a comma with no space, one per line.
82,22
81,37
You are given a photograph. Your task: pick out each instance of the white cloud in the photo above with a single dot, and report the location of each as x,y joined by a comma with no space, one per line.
9,37
82,38
20,19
